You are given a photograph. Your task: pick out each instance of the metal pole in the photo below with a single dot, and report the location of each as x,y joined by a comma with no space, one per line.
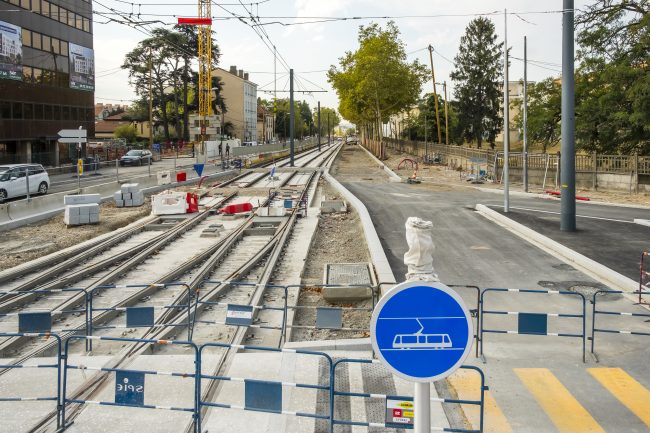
525,116
435,94
444,83
27,183
329,135
150,100
568,175
291,117
117,170
426,144
319,126
422,408
506,120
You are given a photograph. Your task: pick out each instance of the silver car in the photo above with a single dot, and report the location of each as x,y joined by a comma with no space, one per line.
14,180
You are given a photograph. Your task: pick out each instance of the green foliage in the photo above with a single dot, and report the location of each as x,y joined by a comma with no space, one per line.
376,81
303,121
424,124
544,113
127,132
477,80
335,120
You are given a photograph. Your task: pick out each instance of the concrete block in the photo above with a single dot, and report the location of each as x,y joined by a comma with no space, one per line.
71,220
71,210
82,199
128,203
126,196
130,187
117,195
84,219
94,218
332,206
119,203
93,210
346,294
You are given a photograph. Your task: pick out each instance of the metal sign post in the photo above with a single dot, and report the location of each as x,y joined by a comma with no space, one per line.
422,331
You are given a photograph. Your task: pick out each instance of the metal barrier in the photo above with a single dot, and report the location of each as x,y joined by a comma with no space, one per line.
130,383
475,312
392,398
136,317
595,312
261,395
56,367
243,314
643,274
330,317
533,323
41,320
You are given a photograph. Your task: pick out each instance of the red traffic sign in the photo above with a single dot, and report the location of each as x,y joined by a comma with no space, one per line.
195,21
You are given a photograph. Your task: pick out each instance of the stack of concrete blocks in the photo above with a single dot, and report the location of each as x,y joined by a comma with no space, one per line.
164,177
81,209
129,195
169,203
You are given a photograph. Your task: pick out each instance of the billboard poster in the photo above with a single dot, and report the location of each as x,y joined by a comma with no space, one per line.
11,52
82,68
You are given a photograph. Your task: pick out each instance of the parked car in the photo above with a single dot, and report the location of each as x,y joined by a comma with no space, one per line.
13,180
136,157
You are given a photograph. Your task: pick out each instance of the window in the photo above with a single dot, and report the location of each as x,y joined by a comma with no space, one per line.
17,110
45,8
66,113
25,4
36,40
28,111
47,112
27,38
78,23
37,75
56,46
5,110
54,12
46,43
64,48
36,6
38,111
27,74
86,24
57,112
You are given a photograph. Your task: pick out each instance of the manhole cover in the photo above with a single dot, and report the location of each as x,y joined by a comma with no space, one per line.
347,273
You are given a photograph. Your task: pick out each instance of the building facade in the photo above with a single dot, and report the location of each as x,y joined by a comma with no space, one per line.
265,125
47,78
240,96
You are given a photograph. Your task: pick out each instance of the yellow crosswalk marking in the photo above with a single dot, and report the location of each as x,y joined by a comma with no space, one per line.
626,389
564,410
467,384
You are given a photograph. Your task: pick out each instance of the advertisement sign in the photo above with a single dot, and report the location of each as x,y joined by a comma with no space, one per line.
82,68
11,52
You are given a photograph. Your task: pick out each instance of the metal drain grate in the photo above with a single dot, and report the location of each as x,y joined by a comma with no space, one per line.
347,273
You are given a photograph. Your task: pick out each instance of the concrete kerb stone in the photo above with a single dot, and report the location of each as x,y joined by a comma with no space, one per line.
379,259
642,222
394,177
586,265
350,344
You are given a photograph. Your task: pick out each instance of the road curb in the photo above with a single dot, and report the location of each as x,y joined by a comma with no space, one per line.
331,345
586,265
391,173
377,253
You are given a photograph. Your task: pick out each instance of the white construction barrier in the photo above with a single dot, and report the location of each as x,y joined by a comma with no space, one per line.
169,203
164,177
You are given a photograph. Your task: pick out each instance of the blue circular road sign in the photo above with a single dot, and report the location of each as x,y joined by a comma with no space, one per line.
421,330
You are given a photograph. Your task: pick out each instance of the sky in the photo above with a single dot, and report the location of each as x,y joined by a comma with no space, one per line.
310,49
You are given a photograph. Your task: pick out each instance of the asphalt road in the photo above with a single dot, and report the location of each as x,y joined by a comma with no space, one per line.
537,383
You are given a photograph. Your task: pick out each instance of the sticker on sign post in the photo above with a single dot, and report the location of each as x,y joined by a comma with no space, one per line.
399,412
422,331
239,315
129,388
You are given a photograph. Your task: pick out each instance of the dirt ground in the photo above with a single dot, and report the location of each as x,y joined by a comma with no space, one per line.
36,240
442,175
339,238
353,161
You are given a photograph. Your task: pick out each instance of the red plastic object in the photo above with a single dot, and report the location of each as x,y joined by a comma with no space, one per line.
195,21
192,202
559,194
237,208
181,176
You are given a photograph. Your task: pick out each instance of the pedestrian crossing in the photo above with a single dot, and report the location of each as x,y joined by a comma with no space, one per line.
559,404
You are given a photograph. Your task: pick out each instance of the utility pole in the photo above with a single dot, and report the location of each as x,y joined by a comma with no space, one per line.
275,87
292,115
506,119
525,116
435,95
444,83
329,135
150,99
426,144
568,167
319,126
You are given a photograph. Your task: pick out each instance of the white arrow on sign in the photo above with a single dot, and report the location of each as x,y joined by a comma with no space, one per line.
73,133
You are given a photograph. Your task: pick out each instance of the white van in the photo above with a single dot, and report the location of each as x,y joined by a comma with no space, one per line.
13,180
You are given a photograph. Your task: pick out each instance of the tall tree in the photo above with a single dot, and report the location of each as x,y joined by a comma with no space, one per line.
544,112
376,81
477,78
613,79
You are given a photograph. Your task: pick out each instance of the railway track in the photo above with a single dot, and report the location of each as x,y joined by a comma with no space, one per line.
218,262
